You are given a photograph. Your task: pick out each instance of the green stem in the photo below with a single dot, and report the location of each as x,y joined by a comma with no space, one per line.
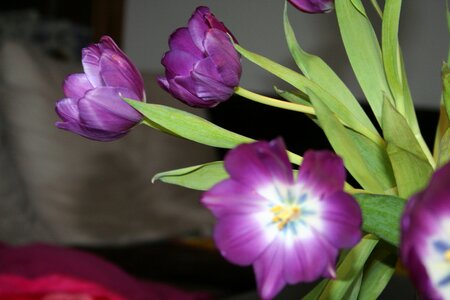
273,102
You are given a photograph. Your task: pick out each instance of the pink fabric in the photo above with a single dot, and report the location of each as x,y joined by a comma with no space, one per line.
39,264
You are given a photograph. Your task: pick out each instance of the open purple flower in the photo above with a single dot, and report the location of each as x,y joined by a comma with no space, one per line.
425,237
202,66
93,106
289,229
313,6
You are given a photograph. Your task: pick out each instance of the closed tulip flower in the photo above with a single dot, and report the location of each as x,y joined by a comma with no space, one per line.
202,66
93,105
313,6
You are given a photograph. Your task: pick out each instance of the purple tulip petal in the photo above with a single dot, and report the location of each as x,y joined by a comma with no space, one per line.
231,197
242,237
91,64
180,88
198,26
103,109
224,56
313,6
341,219
316,169
76,85
207,87
307,257
117,71
92,134
181,40
269,270
67,110
178,63
106,42
257,166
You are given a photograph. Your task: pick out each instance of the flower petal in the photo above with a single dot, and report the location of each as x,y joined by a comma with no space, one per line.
208,82
341,220
322,172
67,110
307,257
231,197
225,58
90,58
241,238
269,270
76,85
181,40
103,109
178,63
197,26
92,134
313,6
260,165
116,70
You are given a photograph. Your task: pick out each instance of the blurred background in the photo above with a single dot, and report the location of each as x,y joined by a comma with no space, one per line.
60,188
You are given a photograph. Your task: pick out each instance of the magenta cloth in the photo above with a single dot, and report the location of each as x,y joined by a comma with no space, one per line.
37,260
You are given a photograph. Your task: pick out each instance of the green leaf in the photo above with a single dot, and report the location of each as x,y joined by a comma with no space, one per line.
191,127
188,126
293,96
361,156
410,164
393,63
391,19
446,87
316,291
200,177
381,215
349,270
364,52
378,271
319,72
444,149
309,87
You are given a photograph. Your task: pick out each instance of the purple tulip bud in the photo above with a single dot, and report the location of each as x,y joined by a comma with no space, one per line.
313,6
425,237
93,105
202,66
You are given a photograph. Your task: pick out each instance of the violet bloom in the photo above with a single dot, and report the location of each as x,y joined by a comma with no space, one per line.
202,66
425,239
289,229
313,6
93,105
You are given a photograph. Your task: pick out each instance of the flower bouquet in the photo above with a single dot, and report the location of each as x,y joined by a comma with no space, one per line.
295,219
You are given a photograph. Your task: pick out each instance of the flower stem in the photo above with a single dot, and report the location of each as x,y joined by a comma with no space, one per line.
273,102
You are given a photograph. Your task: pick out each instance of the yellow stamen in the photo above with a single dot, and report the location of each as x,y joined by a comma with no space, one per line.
447,255
284,214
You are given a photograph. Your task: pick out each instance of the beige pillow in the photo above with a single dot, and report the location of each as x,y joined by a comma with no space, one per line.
93,192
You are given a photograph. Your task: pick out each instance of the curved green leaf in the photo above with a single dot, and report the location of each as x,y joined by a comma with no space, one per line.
409,162
200,177
361,156
311,88
349,270
364,52
188,126
319,72
378,272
